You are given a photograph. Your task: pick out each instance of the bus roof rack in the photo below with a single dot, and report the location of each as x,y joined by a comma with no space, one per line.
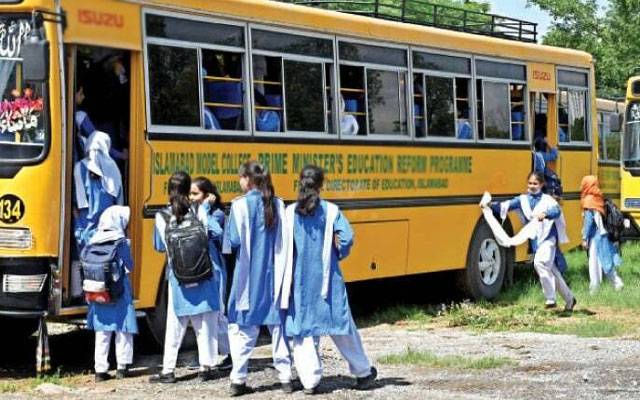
422,12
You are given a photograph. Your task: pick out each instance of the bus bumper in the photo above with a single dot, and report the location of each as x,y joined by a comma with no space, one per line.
632,231
25,286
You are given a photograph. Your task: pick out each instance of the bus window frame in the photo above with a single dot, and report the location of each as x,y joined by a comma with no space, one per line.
198,46
293,57
588,144
445,74
408,105
504,142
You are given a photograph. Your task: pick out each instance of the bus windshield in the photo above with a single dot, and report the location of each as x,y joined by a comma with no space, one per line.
631,151
22,128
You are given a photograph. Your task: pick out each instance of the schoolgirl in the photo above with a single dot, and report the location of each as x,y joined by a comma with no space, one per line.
204,194
256,232
97,185
115,319
198,302
319,236
604,256
535,205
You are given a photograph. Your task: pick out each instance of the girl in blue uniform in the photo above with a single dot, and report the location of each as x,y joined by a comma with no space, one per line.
117,318
205,195
551,231
98,185
319,236
255,231
604,256
198,302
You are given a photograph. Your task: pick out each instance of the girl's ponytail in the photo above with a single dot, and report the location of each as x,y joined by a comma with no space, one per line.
260,179
311,180
179,186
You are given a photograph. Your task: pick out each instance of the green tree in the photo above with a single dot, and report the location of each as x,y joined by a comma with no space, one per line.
610,36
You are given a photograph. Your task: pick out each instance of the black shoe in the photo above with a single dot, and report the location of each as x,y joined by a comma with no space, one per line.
311,391
239,389
569,306
286,387
366,382
163,378
225,364
204,376
549,305
122,373
102,376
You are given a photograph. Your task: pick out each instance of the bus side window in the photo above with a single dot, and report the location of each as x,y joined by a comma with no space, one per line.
267,90
223,92
353,92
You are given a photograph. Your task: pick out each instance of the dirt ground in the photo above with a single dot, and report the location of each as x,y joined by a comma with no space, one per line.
544,367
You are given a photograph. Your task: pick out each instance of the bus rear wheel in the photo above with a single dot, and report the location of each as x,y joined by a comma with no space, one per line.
487,264
157,321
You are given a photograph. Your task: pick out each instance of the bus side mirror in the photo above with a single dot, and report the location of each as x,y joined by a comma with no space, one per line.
35,64
615,122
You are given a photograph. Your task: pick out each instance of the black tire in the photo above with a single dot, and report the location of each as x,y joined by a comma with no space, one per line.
157,321
484,281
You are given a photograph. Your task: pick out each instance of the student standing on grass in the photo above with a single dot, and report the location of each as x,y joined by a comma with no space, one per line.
206,197
196,302
118,318
603,254
551,231
318,237
255,230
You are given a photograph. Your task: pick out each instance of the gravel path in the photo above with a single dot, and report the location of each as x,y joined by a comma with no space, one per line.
545,367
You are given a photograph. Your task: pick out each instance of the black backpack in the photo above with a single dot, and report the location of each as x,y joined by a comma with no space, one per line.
187,248
613,220
102,276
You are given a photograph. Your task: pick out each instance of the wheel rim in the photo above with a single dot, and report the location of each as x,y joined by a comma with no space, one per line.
489,262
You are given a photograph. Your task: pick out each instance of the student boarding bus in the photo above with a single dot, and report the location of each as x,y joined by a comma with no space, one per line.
411,124
630,171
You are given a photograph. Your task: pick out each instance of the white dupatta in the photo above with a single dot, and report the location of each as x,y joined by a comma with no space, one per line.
240,211
327,247
533,228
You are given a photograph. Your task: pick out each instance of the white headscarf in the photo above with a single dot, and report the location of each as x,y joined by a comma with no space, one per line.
98,161
348,123
112,224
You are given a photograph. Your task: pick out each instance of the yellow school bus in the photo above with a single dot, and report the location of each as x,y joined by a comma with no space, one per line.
630,172
609,146
411,123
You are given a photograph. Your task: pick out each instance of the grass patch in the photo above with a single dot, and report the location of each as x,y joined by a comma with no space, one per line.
428,359
7,387
591,328
55,378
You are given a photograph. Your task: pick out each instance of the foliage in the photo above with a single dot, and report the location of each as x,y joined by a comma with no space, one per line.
609,35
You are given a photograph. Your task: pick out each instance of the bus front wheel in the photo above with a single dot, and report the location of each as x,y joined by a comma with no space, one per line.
487,264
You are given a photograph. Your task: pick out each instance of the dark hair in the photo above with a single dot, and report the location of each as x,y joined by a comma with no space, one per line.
179,187
540,144
538,175
207,187
311,180
260,178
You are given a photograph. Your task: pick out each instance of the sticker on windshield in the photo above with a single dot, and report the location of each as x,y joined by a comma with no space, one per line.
11,209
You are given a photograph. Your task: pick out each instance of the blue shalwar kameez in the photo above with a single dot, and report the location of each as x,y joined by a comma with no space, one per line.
197,303
545,245
119,318
604,256
254,296
318,303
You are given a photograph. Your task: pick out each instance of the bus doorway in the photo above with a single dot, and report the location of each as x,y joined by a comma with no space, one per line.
99,100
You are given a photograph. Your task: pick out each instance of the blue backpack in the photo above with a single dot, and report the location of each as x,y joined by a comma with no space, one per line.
102,279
